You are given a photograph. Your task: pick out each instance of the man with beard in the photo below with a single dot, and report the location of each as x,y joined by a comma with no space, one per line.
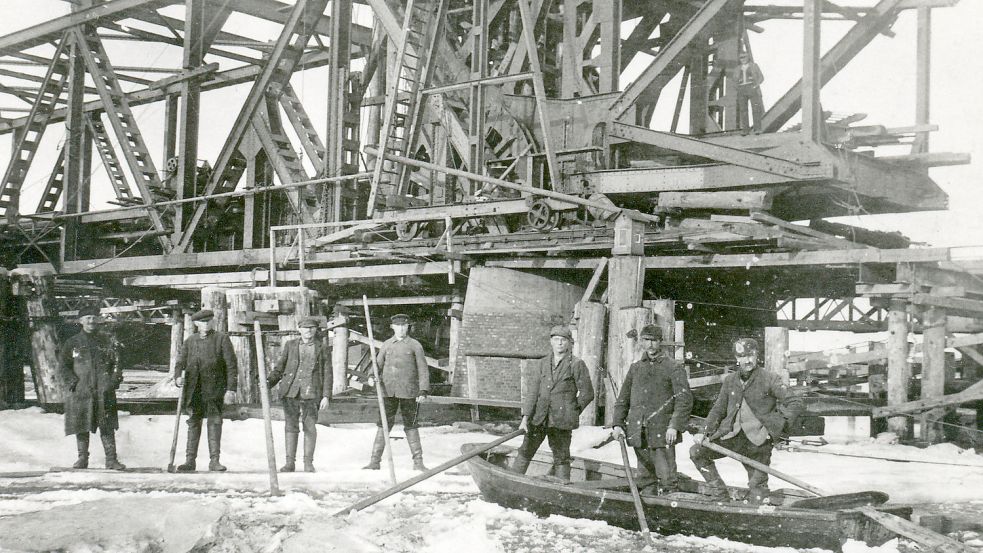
91,369
753,409
654,405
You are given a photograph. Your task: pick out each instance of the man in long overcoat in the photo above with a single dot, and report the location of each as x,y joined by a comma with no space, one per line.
304,370
654,405
558,389
753,409
91,369
405,383
207,364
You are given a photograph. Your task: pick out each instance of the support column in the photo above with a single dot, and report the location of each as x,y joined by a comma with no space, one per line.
240,301
338,70
626,275
75,193
456,313
177,338
933,371
213,297
339,354
476,104
590,348
812,118
664,316
923,66
194,51
898,371
776,351
11,366
36,287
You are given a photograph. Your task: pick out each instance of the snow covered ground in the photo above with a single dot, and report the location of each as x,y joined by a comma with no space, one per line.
101,511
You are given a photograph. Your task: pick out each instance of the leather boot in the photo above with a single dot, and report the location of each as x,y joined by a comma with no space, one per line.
310,442
416,448
191,454
215,446
715,487
520,464
562,471
377,448
109,446
291,451
82,441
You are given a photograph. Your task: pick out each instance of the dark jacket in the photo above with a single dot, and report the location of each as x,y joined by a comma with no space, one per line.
403,365
768,397
557,402
313,385
655,396
209,363
91,370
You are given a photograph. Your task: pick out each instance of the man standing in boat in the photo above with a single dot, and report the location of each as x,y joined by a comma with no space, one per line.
558,389
654,405
753,409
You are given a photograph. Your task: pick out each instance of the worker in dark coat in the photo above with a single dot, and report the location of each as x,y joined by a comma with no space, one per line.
654,405
207,364
558,389
753,409
405,383
91,369
304,368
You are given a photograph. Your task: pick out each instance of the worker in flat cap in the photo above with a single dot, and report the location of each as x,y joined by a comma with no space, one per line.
304,373
207,364
753,409
405,383
653,407
558,388
90,367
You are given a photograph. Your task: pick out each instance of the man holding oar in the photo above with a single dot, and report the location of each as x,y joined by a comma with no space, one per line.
654,405
753,409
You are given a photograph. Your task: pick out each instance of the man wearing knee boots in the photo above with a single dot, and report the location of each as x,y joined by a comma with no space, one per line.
304,371
91,370
558,389
753,408
405,383
207,364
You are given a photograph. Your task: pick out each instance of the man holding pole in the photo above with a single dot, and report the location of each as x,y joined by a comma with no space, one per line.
753,409
91,370
654,405
304,367
558,389
208,364
405,383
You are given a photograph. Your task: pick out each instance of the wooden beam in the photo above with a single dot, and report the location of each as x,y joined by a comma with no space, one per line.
973,393
752,199
262,275
972,353
961,306
926,275
594,280
404,300
932,541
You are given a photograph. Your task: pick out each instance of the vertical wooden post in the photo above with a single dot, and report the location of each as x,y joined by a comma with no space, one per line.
264,394
626,275
812,118
776,351
898,371
933,371
213,297
177,338
679,336
456,313
339,355
664,316
240,303
923,64
189,326
629,318
11,365
36,287
590,343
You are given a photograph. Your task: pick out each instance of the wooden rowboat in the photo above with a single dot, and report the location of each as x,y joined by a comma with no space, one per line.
599,491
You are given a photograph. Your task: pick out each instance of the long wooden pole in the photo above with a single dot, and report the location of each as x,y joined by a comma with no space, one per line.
636,497
762,467
264,398
177,428
424,475
378,392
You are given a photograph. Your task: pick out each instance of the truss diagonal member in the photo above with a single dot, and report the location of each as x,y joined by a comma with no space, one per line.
276,72
124,126
54,187
528,28
858,37
724,154
110,160
669,59
304,127
26,146
283,157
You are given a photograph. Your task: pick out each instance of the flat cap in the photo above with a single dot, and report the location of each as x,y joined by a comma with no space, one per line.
651,332
561,330
745,346
308,322
90,310
400,319
203,315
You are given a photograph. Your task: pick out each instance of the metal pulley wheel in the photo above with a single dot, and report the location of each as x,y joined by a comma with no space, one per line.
171,165
407,230
542,217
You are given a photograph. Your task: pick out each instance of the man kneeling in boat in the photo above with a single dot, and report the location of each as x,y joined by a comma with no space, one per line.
753,409
559,388
655,401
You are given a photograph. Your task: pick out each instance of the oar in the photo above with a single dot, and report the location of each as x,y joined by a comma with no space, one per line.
378,392
424,475
762,467
264,398
177,427
636,497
